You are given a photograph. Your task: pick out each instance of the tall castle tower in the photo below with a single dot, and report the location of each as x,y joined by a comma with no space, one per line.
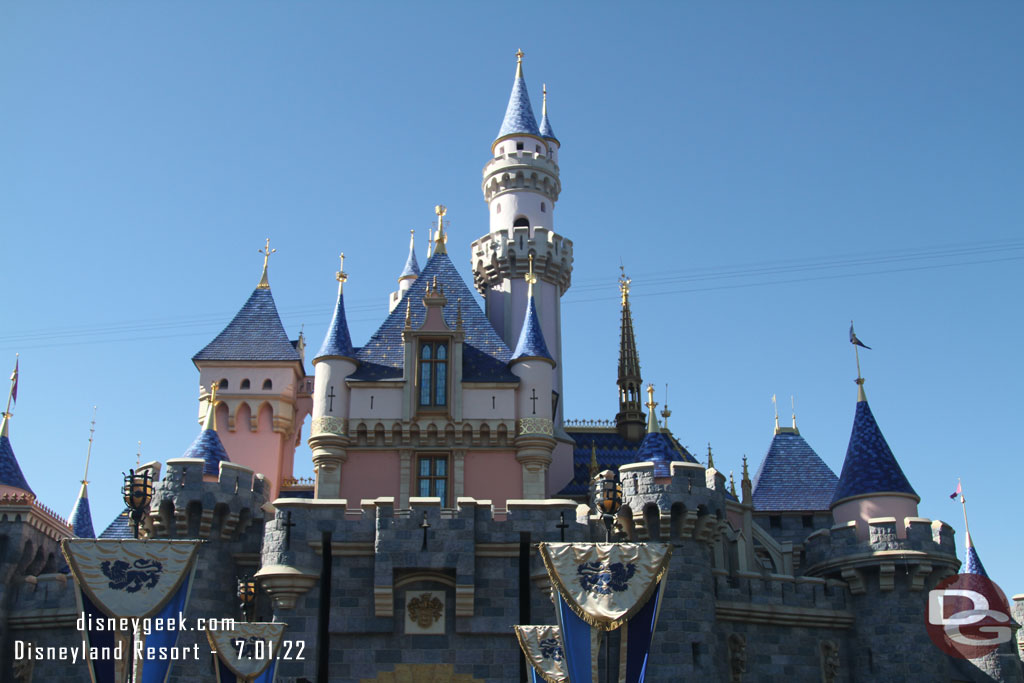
521,186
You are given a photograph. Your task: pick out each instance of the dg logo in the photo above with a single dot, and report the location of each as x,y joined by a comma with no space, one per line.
968,616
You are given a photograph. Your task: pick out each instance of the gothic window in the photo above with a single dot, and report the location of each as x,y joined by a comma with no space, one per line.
245,384
222,385
521,222
432,477
267,385
433,375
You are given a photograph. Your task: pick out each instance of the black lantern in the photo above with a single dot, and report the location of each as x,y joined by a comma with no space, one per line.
608,499
138,494
247,596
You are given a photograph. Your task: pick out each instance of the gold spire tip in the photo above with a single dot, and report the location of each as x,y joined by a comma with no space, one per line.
341,276
624,283
530,277
442,239
266,251
519,63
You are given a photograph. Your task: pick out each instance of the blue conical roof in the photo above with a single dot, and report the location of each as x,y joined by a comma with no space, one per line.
972,563
120,527
412,267
531,338
208,448
80,520
546,131
870,467
657,447
338,342
254,334
10,471
792,477
519,116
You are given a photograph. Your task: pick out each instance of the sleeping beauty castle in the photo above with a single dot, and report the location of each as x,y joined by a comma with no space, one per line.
443,461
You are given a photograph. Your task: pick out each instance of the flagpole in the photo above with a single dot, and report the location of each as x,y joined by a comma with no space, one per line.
88,453
963,503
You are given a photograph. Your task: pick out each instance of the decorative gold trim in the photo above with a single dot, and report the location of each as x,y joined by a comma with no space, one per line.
535,425
327,425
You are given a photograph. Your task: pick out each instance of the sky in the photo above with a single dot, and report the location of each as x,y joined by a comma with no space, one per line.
765,173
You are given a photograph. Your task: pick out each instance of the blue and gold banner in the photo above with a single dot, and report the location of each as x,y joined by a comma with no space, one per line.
542,647
246,652
131,595
604,587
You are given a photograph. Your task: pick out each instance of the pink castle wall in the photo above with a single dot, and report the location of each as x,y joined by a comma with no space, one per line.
369,474
494,476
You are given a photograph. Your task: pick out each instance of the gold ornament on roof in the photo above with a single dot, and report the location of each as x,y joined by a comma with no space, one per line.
624,283
266,251
442,239
341,276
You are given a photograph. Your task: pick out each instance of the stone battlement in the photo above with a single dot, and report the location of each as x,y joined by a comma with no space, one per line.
505,255
918,547
185,504
803,592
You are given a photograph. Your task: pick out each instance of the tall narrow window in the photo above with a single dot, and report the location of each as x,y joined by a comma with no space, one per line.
432,477
433,374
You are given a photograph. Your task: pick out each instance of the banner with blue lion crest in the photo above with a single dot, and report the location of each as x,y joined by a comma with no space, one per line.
125,580
247,651
605,584
542,646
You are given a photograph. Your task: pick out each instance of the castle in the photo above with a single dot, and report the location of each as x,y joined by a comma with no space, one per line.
442,457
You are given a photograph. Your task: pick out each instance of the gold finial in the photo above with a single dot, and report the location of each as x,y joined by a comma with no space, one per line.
530,278
88,453
652,418
12,395
732,485
442,239
430,242
860,380
412,240
408,314
519,63
341,276
624,283
594,467
711,458
211,410
266,251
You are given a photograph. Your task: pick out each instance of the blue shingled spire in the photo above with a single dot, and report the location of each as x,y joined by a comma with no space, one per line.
254,334
972,563
531,339
870,467
412,267
519,116
207,446
546,131
792,477
10,471
81,518
338,342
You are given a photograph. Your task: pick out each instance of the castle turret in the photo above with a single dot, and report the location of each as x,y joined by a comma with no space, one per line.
521,186
410,272
657,447
333,364
533,365
263,392
12,481
872,484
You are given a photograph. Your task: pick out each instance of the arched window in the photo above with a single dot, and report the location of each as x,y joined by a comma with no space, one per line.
267,385
245,383
498,209
433,375
543,208
521,222
222,385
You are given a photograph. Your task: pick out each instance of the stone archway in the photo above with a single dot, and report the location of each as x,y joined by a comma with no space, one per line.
422,673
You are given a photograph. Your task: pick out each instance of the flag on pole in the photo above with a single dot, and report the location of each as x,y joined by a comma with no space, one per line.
854,340
959,490
14,381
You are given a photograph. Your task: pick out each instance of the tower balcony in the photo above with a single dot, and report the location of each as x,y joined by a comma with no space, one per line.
521,170
500,256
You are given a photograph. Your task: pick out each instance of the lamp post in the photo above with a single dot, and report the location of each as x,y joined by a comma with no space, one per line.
609,500
246,596
138,494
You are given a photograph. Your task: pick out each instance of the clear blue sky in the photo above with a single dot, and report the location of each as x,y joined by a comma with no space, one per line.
766,172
